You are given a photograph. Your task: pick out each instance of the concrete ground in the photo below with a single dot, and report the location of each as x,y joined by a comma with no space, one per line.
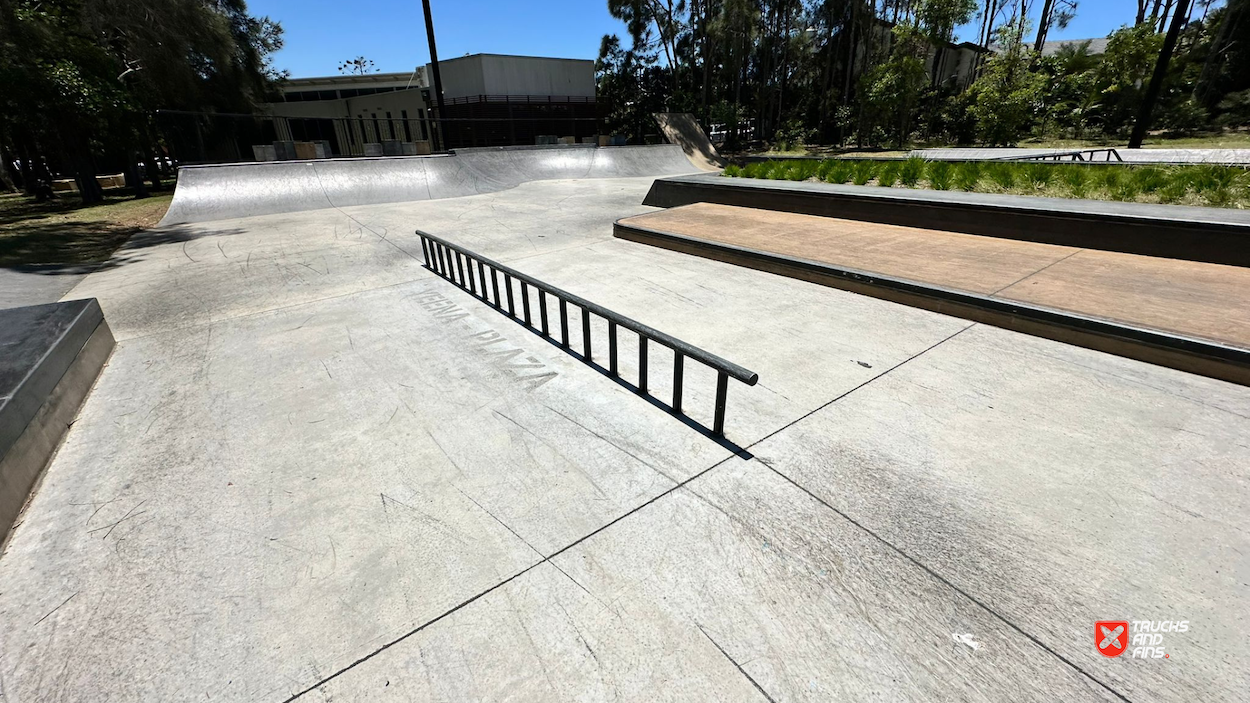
313,470
36,285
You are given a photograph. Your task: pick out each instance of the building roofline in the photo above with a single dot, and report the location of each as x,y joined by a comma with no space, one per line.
403,75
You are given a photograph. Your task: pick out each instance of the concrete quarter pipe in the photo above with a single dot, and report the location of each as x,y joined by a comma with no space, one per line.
228,191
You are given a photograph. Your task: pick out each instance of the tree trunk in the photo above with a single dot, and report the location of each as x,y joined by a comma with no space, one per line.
1043,25
1156,81
6,179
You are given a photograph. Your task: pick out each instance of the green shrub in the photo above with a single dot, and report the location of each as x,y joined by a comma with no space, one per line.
940,175
756,169
1174,191
1217,197
1001,175
911,171
1208,178
804,170
777,170
1109,177
1125,190
1038,174
1076,179
863,172
1149,179
838,171
967,175
733,171
888,175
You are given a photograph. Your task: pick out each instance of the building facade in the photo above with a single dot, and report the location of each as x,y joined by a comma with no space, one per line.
490,100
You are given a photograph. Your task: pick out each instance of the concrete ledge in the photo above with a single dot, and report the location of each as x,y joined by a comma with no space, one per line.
51,357
1212,235
1189,354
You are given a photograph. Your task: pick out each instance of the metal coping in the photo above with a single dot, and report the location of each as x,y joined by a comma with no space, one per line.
444,258
1145,336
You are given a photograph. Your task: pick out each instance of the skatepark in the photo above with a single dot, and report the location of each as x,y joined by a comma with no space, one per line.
321,465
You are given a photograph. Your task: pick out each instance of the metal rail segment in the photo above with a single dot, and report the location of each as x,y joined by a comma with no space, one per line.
1079,155
455,263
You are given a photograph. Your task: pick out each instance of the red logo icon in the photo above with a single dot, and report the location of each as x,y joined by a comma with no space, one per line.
1111,636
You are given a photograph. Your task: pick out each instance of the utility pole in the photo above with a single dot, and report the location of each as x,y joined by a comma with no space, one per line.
1161,70
438,79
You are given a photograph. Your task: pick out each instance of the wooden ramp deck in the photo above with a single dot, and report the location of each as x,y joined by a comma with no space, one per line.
1185,314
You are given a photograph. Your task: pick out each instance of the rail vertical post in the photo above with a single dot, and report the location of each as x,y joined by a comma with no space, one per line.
722,390
494,285
642,364
507,284
542,310
525,302
564,323
460,269
612,347
425,251
678,362
472,277
481,275
586,334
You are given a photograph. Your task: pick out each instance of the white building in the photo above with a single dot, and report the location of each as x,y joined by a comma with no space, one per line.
490,98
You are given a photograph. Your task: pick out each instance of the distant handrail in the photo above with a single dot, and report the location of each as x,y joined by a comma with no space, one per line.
444,258
1077,155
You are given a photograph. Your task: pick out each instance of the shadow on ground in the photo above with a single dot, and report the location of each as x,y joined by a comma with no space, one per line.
68,248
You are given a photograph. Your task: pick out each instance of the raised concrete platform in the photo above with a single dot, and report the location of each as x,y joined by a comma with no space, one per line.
306,474
1183,314
1220,236
207,193
50,356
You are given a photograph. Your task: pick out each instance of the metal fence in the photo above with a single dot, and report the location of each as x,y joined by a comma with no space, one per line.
456,264
197,137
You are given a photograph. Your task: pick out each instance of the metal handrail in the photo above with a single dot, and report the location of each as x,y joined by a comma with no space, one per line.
1077,155
448,261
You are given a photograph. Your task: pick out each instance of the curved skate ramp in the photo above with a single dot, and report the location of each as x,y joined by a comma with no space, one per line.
219,192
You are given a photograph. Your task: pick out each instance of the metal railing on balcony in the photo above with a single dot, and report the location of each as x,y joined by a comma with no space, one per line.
457,265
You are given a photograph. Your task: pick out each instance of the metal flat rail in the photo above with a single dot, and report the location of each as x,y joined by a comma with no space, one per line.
455,263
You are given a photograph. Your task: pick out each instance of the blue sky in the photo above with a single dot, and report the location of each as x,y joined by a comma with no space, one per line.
320,33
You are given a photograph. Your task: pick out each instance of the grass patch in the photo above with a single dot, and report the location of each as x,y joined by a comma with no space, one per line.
62,231
1205,185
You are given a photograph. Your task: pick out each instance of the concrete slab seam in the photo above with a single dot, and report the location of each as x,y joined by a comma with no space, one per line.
742,453
949,584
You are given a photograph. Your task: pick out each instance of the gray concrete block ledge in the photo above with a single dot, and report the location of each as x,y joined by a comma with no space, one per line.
51,357
1212,235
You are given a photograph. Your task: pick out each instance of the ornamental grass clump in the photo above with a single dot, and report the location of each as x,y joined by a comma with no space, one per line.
863,172
940,175
911,171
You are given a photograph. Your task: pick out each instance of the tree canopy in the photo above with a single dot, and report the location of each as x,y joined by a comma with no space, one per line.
80,79
886,71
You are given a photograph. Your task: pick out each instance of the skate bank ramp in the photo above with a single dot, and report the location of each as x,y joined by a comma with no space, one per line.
221,192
